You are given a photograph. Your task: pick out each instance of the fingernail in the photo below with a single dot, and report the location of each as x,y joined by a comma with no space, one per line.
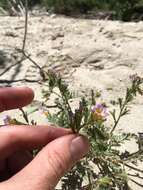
79,147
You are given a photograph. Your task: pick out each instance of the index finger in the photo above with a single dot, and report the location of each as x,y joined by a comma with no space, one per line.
18,138
11,98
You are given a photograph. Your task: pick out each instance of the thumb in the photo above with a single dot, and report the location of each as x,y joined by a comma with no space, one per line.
44,172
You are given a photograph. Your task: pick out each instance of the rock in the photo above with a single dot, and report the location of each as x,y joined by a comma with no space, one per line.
57,35
53,16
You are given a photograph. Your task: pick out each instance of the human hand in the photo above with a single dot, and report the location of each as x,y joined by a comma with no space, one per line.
60,149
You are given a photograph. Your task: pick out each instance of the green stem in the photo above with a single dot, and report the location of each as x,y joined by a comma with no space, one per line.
119,117
133,155
25,116
67,105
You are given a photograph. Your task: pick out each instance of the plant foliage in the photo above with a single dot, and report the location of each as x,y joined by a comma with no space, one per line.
105,167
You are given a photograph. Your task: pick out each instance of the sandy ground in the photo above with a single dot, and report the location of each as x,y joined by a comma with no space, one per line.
89,54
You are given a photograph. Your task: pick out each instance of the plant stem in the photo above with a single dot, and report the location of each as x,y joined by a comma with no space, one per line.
25,116
26,25
119,117
139,184
133,155
135,175
133,168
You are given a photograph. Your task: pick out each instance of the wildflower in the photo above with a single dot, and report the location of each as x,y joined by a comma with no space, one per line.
46,113
43,111
99,112
8,120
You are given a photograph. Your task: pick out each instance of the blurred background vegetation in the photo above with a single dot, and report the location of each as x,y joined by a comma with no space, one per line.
121,9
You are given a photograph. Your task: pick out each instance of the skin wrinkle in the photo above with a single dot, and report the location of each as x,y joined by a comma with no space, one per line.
50,162
13,137
57,162
44,171
17,142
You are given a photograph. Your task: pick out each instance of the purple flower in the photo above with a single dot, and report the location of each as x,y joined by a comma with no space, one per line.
99,112
43,111
7,119
11,121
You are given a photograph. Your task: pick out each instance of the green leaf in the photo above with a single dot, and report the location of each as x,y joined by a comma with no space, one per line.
104,181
